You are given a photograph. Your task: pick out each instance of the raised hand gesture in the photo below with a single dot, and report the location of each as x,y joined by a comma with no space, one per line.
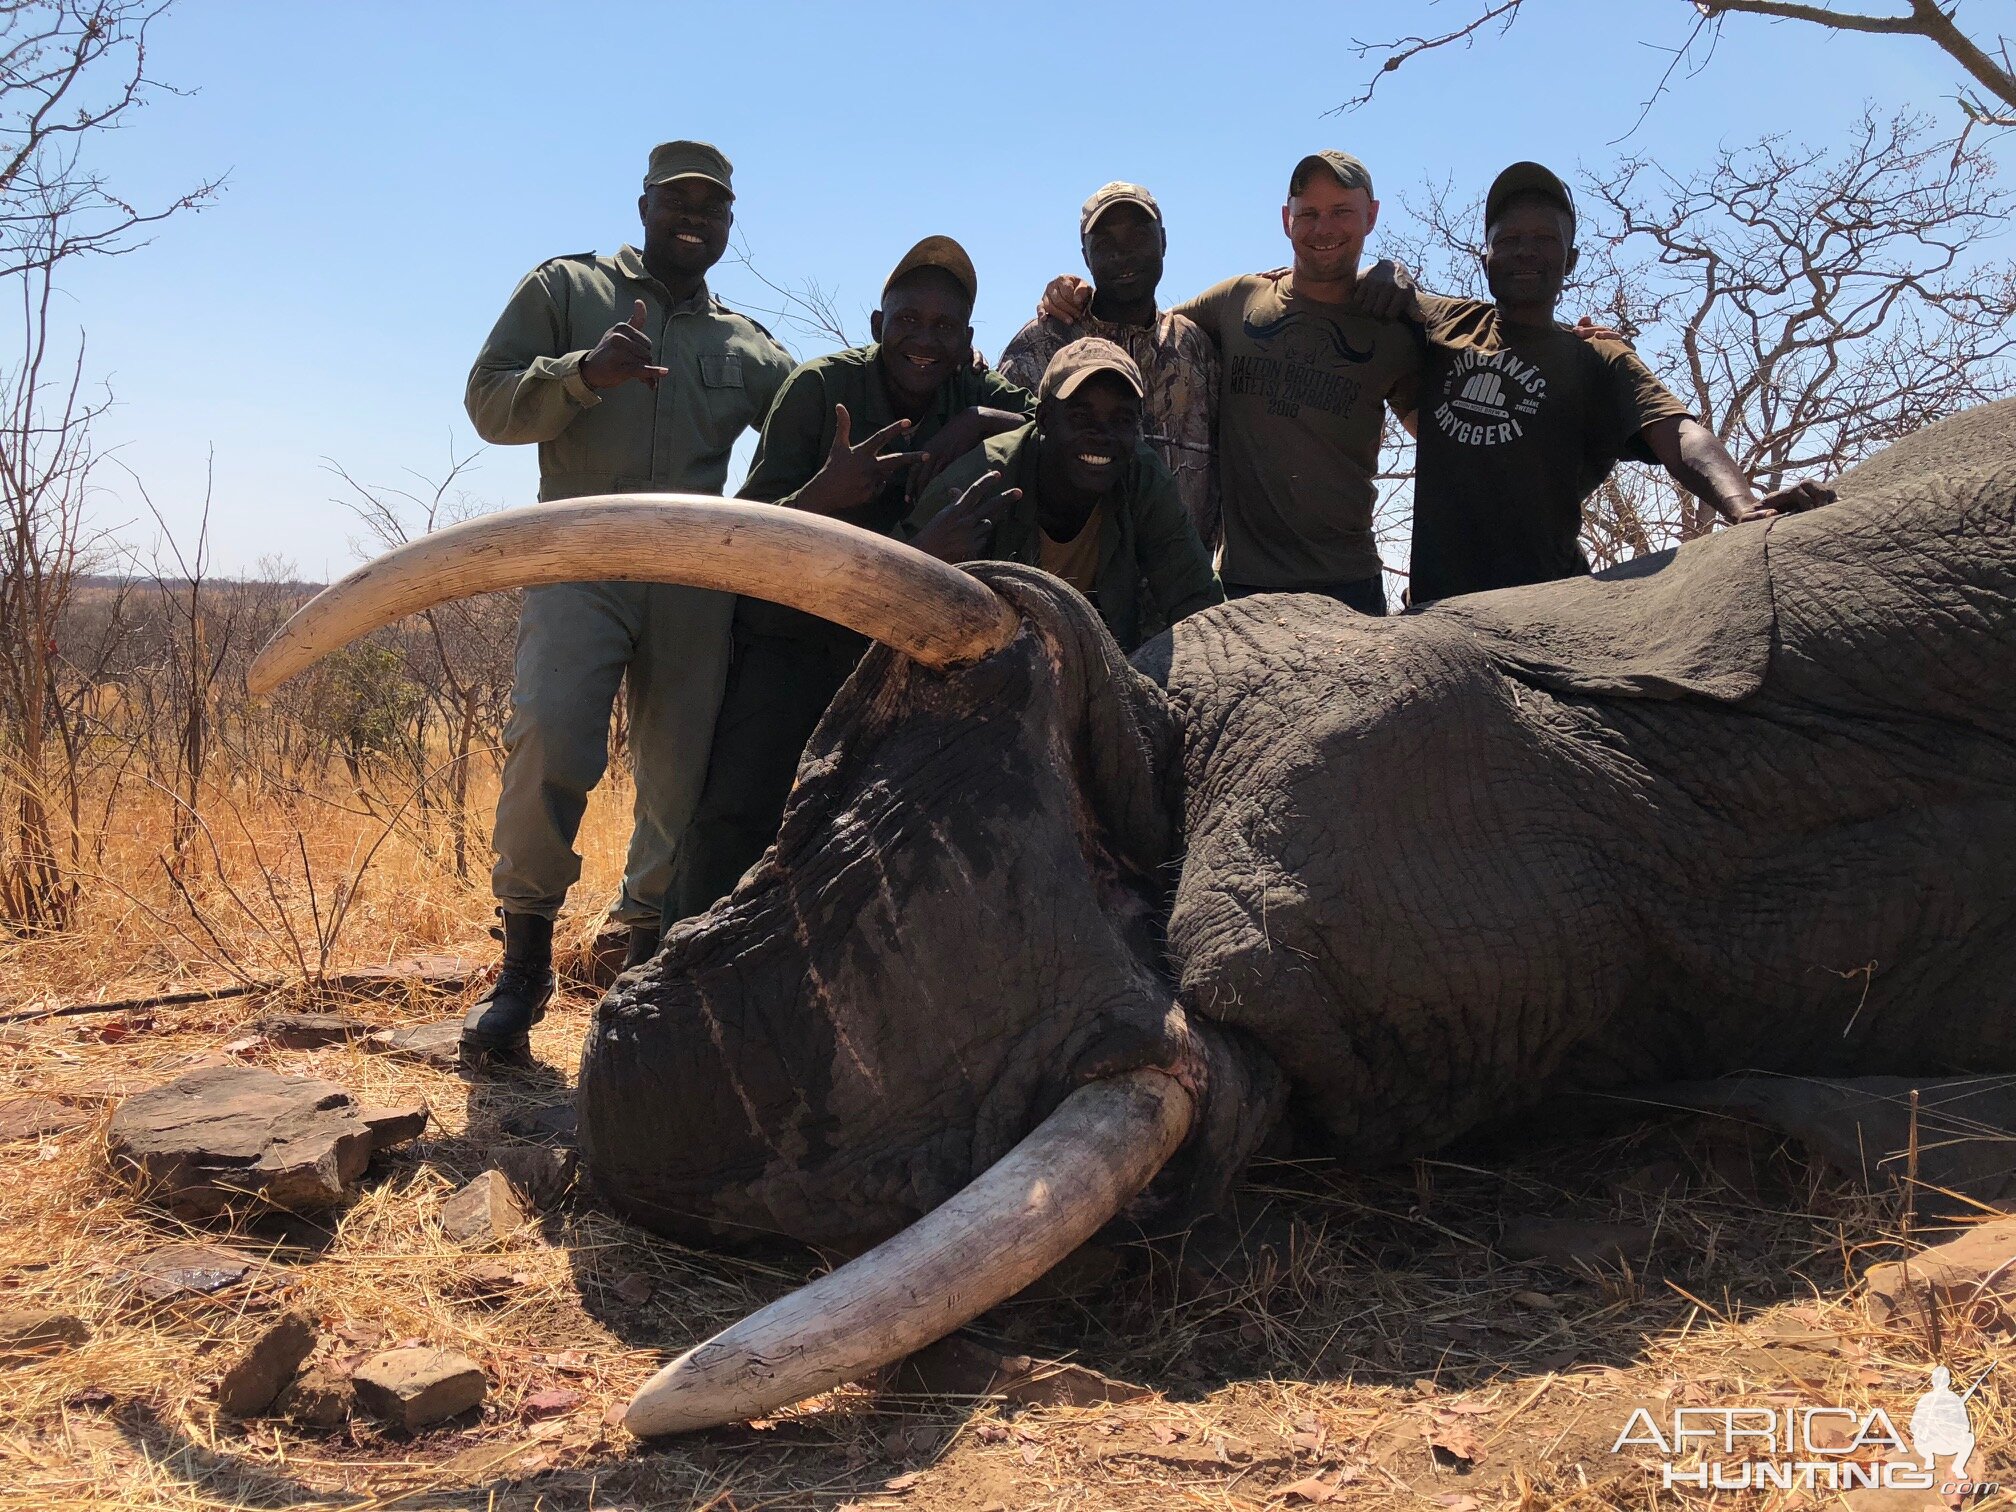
853,477
1066,299
623,353
963,531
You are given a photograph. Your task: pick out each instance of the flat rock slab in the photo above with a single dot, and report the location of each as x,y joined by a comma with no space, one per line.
182,1270
250,1386
412,1388
1971,1277
37,1330
484,1212
395,1125
432,1044
557,1123
311,1031
439,974
240,1136
32,1117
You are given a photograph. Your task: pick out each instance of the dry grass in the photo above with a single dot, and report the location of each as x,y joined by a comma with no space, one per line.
1391,1323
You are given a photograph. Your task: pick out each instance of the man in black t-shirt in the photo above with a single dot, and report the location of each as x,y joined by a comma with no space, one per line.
1521,418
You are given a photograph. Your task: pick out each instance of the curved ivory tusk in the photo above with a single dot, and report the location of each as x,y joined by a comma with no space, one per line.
1008,1226
926,609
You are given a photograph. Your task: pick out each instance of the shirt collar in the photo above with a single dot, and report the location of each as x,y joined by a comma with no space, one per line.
630,263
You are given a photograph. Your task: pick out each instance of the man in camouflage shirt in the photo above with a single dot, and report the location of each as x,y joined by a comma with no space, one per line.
1121,233
631,378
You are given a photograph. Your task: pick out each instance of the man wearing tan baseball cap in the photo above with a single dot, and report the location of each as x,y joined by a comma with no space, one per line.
855,435
1079,493
1122,237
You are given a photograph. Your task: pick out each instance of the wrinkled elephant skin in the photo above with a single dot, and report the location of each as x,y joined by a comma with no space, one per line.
1752,805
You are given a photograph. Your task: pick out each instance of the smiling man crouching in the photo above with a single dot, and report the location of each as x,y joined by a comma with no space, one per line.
1079,494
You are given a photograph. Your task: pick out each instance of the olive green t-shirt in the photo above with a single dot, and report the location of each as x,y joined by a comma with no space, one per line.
1518,425
1302,395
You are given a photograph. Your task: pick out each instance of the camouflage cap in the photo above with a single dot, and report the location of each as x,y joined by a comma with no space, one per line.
702,160
1107,196
938,252
1526,178
1078,361
1343,167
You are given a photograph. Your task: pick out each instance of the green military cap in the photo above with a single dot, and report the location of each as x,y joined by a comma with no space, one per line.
1116,193
938,252
1346,169
1526,178
702,160
1078,361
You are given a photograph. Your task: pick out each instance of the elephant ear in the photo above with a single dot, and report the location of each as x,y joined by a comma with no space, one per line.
1694,622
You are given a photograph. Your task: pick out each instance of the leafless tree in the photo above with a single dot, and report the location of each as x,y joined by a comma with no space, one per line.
1988,99
1809,305
805,307
70,70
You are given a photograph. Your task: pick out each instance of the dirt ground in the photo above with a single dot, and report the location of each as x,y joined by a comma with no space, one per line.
1371,1345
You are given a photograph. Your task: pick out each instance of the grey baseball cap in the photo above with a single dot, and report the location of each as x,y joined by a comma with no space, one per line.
1343,167
1106,196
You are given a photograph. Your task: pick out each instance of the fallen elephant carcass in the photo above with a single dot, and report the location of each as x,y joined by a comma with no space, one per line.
1039,922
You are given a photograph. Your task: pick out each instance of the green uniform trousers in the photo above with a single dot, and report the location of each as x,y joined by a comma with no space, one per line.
785,669
575,642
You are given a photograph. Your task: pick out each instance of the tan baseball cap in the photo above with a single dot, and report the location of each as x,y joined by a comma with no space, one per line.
1087,355
701,160
1346,169
1107,196
938,252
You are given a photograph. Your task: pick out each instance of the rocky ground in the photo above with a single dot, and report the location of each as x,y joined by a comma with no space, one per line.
443,1320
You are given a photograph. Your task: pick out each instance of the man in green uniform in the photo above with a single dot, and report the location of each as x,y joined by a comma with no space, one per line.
1306,377
919,401
631,377
1521,418
1080,494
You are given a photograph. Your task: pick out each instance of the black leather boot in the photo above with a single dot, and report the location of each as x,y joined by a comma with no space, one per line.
499,1026
643,945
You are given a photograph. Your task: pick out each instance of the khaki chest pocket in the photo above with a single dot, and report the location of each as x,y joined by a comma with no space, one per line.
722,370
725,407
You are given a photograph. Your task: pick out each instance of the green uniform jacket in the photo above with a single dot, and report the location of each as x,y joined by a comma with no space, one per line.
798,432
526,385
1152,566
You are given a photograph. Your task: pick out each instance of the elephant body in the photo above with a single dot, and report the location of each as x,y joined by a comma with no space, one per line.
1748,805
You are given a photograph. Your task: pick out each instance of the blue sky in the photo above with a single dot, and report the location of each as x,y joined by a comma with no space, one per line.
395,168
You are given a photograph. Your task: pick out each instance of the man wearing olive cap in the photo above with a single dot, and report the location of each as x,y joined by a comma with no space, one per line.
1079,493
631,377
1308,371
1522,418
1121,234
855,435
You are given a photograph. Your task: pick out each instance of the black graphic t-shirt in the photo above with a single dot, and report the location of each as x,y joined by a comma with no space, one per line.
1517,426
1303,386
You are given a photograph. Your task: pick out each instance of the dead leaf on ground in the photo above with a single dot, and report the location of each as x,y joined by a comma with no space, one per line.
1455,1438
904,1481
633,1289
1314,1489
